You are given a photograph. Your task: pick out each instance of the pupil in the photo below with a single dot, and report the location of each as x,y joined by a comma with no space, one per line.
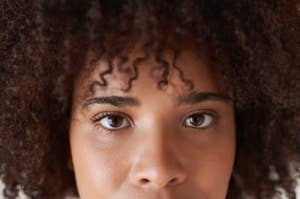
115,121
197,120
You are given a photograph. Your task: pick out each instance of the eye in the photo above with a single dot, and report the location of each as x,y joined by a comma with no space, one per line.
200,120
113,122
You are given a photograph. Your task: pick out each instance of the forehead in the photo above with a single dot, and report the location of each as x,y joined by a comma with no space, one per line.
103,77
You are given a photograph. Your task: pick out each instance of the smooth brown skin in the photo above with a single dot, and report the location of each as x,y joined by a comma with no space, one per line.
158,154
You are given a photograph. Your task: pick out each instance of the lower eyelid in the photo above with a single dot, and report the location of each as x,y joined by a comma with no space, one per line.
96,119
215,117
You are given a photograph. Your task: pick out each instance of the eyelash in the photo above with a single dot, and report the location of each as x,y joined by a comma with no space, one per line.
96,119
213,114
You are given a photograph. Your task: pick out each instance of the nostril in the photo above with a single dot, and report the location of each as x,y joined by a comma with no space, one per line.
144,181
173,181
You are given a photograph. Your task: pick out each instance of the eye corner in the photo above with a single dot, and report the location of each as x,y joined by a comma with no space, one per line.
210,115
96,120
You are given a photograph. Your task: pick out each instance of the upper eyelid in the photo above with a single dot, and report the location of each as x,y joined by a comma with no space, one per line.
99,116
106,113
212,113
202,111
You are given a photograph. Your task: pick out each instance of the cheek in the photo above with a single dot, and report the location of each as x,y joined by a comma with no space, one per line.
102,163
214,165
99,168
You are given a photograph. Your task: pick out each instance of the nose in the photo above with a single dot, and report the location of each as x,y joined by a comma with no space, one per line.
157,166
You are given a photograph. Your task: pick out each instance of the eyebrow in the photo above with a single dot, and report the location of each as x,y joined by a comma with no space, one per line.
192,98
113,100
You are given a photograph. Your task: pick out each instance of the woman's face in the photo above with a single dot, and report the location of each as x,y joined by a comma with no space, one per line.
152,143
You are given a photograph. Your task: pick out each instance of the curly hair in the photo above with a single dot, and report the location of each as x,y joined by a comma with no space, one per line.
255,45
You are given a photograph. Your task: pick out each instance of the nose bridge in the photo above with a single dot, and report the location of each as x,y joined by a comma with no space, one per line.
158,140
157,163
157,149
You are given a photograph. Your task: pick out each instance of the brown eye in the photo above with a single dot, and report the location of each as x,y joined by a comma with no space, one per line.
114,122
199,120
196,119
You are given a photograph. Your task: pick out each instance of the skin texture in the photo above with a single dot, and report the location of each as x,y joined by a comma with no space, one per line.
158,154
254,44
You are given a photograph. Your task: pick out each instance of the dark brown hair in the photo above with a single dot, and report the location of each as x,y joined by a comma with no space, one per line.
254,44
